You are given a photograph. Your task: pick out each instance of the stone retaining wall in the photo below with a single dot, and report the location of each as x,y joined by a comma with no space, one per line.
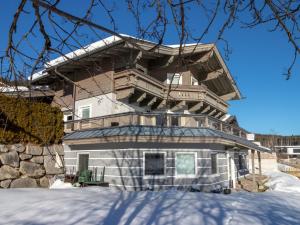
24,166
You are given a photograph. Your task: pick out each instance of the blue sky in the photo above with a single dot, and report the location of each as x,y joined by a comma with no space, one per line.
258,61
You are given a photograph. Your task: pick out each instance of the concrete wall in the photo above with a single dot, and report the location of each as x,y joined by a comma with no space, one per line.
124,167
102,105
268,162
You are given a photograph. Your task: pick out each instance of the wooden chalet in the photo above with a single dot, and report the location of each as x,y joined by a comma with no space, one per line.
151,115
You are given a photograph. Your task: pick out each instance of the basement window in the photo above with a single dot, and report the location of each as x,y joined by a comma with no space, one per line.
154,164
296,150
186,164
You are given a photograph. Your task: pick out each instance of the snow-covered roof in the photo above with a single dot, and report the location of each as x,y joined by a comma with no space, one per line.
85,50
89,49
225,117
184,45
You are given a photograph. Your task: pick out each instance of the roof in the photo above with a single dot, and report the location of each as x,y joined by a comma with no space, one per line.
136,43
160,131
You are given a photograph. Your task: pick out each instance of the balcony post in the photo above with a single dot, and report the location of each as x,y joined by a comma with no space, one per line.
259,162
206,124
253,168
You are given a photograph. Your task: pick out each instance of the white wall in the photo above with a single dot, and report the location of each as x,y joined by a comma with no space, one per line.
102,105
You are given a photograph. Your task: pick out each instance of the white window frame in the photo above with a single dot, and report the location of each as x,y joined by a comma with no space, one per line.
169,78
85,106
165,166
217,164
193,79
196,165
82,153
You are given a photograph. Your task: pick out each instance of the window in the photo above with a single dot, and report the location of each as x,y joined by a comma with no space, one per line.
85,112
83,162
161,120
194,81
214,163
174,121
70,117
175,78
186,164
242,162
154,164
296,150
114,124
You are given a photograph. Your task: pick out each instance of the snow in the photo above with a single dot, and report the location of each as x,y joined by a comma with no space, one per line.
82,51
13,89
98,45
184,45
58,184
106,206
283,182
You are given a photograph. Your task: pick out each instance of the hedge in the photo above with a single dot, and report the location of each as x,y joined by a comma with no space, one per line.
24,121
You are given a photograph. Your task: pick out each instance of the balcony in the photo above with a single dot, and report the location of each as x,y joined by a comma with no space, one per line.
154,119
145,90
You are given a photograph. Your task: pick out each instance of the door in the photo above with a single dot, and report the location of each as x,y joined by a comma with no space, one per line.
83,162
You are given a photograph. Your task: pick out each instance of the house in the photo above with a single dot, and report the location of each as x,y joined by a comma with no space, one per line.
151,116
36,93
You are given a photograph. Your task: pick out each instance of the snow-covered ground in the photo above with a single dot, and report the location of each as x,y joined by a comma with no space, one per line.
105,206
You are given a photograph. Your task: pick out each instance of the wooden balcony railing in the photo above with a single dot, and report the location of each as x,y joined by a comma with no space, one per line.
128,80
154,119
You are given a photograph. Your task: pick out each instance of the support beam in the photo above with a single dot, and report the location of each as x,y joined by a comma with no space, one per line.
259,162
169,61
178,106
125,93
206,109
229,96
162,104
212,112
196,107
141,98
137,57
152,101
203,59
218,115
213,75
253,168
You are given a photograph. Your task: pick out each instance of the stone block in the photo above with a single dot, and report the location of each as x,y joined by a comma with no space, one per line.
10,158
44,182
5,183
7,172
34,150
3,148
49,164
51,150
37,159
17,147
31,169
25,182
24,156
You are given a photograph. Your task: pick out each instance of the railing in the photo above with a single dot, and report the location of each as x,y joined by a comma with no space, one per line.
135,79
155,119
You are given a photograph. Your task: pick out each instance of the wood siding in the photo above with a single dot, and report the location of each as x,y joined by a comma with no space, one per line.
124,167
